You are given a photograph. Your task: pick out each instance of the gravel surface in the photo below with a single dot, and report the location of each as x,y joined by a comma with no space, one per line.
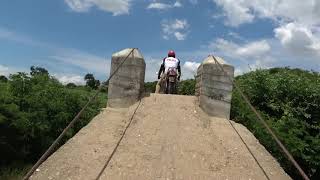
169,138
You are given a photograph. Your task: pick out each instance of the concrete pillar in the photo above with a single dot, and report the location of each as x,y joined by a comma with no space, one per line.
213,88
127,85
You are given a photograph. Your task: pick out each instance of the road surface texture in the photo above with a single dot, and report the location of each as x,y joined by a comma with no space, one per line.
169,138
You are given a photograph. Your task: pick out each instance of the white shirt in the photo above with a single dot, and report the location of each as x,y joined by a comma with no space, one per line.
170,62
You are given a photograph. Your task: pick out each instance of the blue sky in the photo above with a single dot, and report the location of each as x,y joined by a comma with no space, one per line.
74,37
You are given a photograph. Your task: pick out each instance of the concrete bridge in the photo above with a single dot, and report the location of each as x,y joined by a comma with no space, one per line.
163,136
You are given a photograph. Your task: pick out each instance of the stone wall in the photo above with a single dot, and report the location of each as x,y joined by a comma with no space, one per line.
213,88
127,85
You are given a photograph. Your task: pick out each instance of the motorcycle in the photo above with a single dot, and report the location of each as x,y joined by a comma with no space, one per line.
171,81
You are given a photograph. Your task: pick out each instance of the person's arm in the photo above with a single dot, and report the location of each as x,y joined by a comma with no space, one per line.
161,69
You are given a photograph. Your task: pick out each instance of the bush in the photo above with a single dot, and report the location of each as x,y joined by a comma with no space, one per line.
289,99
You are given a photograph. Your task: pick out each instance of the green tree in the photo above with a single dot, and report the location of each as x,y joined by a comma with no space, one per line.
91,81
3,78
289,99
34,110
38,71
71,85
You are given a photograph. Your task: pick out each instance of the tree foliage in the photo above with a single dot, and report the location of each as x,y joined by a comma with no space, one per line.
150,87
187,87
34,110
3,78
289,99
91,81
71,85
38,71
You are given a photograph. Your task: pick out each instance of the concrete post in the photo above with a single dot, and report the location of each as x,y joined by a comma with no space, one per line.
127,85
213,88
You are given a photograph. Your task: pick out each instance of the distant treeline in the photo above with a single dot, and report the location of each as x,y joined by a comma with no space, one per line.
185,87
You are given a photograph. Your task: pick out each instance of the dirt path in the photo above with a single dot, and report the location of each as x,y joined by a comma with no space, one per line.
169,138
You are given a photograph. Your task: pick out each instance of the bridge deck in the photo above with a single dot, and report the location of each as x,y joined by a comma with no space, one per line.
169,138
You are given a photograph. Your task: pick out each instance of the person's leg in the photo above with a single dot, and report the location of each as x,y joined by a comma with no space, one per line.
158,87
159,84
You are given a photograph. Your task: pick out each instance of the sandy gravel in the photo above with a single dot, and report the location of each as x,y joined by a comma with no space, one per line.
169,138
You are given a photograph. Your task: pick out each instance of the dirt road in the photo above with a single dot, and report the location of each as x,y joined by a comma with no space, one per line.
169,138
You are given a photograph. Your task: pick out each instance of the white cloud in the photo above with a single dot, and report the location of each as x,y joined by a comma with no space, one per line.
298,23
180,36
79,5
191,66
235,35
177,28
86,61
244,56
20,38
235,11
160,6
117,7
64,56
262,54
65,79
253,49
152,68
227,47
298,39
244,11
163,6
263,63
247,50
177,4
4,70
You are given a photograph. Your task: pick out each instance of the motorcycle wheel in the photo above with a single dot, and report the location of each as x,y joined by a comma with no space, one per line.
171,88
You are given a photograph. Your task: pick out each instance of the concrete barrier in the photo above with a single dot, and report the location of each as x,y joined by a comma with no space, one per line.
213,88
127,85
